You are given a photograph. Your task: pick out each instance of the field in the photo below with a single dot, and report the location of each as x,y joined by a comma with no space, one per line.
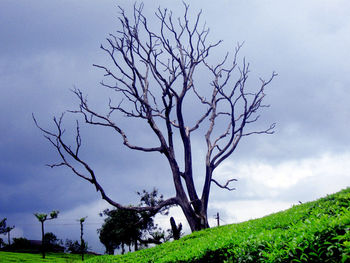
50,257
317,231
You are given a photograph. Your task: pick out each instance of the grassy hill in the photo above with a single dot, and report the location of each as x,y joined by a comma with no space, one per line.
317,231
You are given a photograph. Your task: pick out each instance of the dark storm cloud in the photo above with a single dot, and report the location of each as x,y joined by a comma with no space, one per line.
29,27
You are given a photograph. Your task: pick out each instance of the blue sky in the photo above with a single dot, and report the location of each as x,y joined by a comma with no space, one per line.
48,48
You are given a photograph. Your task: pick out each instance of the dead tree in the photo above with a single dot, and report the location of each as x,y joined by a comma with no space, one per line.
153,72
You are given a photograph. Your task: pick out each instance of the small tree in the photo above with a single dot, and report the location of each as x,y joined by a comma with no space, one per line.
119,229
82,242
6,230
42,218
74,247
127,227
52,243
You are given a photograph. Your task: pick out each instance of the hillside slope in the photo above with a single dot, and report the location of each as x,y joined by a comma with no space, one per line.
317,231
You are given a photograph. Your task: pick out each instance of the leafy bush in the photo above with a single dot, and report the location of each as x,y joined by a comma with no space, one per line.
317,231
20,243
52,243
74,247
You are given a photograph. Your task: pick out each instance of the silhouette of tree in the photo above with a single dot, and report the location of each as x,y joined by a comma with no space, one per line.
6,230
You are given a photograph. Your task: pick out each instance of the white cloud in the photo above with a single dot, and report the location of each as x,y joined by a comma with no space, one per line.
264,188
288,173
239,211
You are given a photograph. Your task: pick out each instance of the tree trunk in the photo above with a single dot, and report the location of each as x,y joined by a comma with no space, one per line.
82,243
136,246
42,239
123,249
197,220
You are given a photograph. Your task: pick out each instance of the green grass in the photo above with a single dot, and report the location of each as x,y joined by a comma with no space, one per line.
317,231
50,257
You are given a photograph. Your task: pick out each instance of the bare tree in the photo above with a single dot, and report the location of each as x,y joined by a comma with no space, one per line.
153,72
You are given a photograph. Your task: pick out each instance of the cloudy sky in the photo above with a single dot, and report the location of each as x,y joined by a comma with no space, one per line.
47,48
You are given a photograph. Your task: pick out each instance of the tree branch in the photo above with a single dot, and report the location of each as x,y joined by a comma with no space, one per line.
225,186
65,150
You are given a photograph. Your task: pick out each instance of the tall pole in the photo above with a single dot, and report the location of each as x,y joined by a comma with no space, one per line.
218,218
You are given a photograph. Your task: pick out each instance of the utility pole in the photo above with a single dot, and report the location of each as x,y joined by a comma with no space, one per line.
218,218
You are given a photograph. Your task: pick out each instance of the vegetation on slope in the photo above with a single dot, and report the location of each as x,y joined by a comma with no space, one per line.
317,231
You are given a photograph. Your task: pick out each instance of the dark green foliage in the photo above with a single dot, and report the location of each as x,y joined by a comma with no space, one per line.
75,247
317,231
130,228
2,243
19,244
119,229
3,225
52,243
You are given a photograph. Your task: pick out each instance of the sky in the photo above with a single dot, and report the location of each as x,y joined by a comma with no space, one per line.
47,48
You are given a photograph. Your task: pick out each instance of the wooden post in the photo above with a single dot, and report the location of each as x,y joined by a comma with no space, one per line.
218,218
